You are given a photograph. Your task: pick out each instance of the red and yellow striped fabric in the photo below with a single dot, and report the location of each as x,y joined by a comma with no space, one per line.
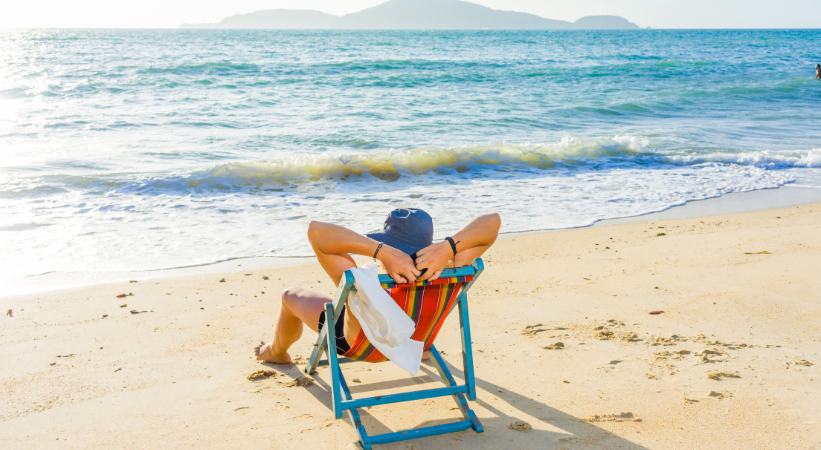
427,303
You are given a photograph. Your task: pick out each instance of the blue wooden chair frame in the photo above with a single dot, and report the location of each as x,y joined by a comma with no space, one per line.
341,395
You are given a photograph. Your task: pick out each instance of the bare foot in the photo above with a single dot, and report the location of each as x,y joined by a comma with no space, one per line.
265,353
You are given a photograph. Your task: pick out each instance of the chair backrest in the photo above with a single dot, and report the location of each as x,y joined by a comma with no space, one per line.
427,303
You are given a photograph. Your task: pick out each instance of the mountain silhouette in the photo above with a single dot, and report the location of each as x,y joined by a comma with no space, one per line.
414,14
275,18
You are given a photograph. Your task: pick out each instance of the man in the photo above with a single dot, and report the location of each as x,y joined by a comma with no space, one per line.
404,248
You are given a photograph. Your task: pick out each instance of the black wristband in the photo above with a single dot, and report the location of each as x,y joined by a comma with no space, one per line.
452,244
378,247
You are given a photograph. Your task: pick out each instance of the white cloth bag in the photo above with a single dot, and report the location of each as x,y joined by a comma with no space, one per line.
386,325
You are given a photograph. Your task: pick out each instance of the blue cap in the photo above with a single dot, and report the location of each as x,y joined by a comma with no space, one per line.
406,229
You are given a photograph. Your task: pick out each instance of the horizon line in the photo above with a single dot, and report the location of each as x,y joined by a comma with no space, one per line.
193,27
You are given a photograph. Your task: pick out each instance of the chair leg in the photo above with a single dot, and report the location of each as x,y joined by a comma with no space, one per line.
448,379
353,413
343,399
336,386
467,347
319,347
342,292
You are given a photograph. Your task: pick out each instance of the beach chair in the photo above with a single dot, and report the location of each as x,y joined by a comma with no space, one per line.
449,290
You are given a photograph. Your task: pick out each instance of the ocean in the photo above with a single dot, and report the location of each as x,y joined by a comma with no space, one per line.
147,149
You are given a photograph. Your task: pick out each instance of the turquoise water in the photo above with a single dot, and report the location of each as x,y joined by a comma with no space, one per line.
126,150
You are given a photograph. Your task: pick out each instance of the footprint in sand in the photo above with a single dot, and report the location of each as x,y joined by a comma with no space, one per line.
718,376
300,382
800,362
610,331
665,355
667,341
720,395
712,356
533,330
261,375
661,365
621,417
520,425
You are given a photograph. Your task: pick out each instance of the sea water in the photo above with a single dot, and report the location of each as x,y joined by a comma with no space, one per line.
146,149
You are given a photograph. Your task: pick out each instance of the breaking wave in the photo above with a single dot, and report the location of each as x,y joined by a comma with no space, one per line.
502,160
765,159
391,165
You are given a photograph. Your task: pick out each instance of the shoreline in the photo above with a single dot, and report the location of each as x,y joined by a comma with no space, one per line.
737,202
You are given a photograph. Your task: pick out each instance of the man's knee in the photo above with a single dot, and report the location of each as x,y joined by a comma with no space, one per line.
289,295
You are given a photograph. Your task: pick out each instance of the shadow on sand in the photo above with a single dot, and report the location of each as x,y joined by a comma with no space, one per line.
571,432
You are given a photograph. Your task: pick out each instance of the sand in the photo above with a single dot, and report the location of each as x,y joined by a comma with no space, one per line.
688,333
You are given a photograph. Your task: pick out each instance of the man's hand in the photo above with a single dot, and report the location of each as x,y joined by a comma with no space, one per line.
398,265
434,258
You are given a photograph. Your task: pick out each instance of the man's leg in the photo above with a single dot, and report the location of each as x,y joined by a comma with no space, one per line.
298,306
302,306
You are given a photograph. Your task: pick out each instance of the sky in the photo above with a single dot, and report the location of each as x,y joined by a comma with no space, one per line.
647,13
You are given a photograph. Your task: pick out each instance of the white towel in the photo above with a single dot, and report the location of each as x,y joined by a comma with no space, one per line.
386,325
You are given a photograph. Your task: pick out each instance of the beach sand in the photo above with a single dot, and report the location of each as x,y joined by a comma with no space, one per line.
688,333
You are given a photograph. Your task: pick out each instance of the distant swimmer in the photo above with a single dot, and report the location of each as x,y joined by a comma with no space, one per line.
818,71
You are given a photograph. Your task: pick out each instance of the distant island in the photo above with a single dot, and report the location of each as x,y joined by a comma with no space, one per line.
414,14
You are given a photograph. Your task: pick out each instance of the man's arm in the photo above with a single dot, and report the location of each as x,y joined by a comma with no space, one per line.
471,242
333,245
